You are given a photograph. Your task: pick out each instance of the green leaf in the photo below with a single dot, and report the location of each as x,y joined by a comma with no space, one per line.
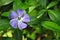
51,26
6,14
54,15
5,2
25,31
4,24
30,2
33,36
33,19
43,3
52,4
41,13
31,8
7,34
7,38
37,29
19,5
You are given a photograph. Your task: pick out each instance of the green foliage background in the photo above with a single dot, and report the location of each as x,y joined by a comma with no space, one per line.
44,20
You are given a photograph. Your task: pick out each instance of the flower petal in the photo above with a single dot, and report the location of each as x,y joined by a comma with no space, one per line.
13,23
26,18
20,12
13,15
21,25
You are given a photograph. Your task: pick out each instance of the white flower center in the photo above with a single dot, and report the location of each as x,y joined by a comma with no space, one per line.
19,19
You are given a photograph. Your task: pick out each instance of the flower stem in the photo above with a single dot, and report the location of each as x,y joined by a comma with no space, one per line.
18,34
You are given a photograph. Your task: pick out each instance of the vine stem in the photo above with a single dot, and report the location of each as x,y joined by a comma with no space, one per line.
56,35
19,34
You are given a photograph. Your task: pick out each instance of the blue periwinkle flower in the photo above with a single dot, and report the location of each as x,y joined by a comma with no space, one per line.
18,19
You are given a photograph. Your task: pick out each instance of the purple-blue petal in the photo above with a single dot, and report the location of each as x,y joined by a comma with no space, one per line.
20,12
21,25
13,23
26,18
13,15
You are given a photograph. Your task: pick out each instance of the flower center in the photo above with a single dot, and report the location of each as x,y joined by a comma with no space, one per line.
19,18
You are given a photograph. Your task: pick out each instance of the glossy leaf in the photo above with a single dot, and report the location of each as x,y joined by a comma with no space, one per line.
51,26
8,34
7,38
52,4
33,36
19,5
33,19
30,2
41,13
4,24
43,3
31,8
37,29
5,2
6,14
54,15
